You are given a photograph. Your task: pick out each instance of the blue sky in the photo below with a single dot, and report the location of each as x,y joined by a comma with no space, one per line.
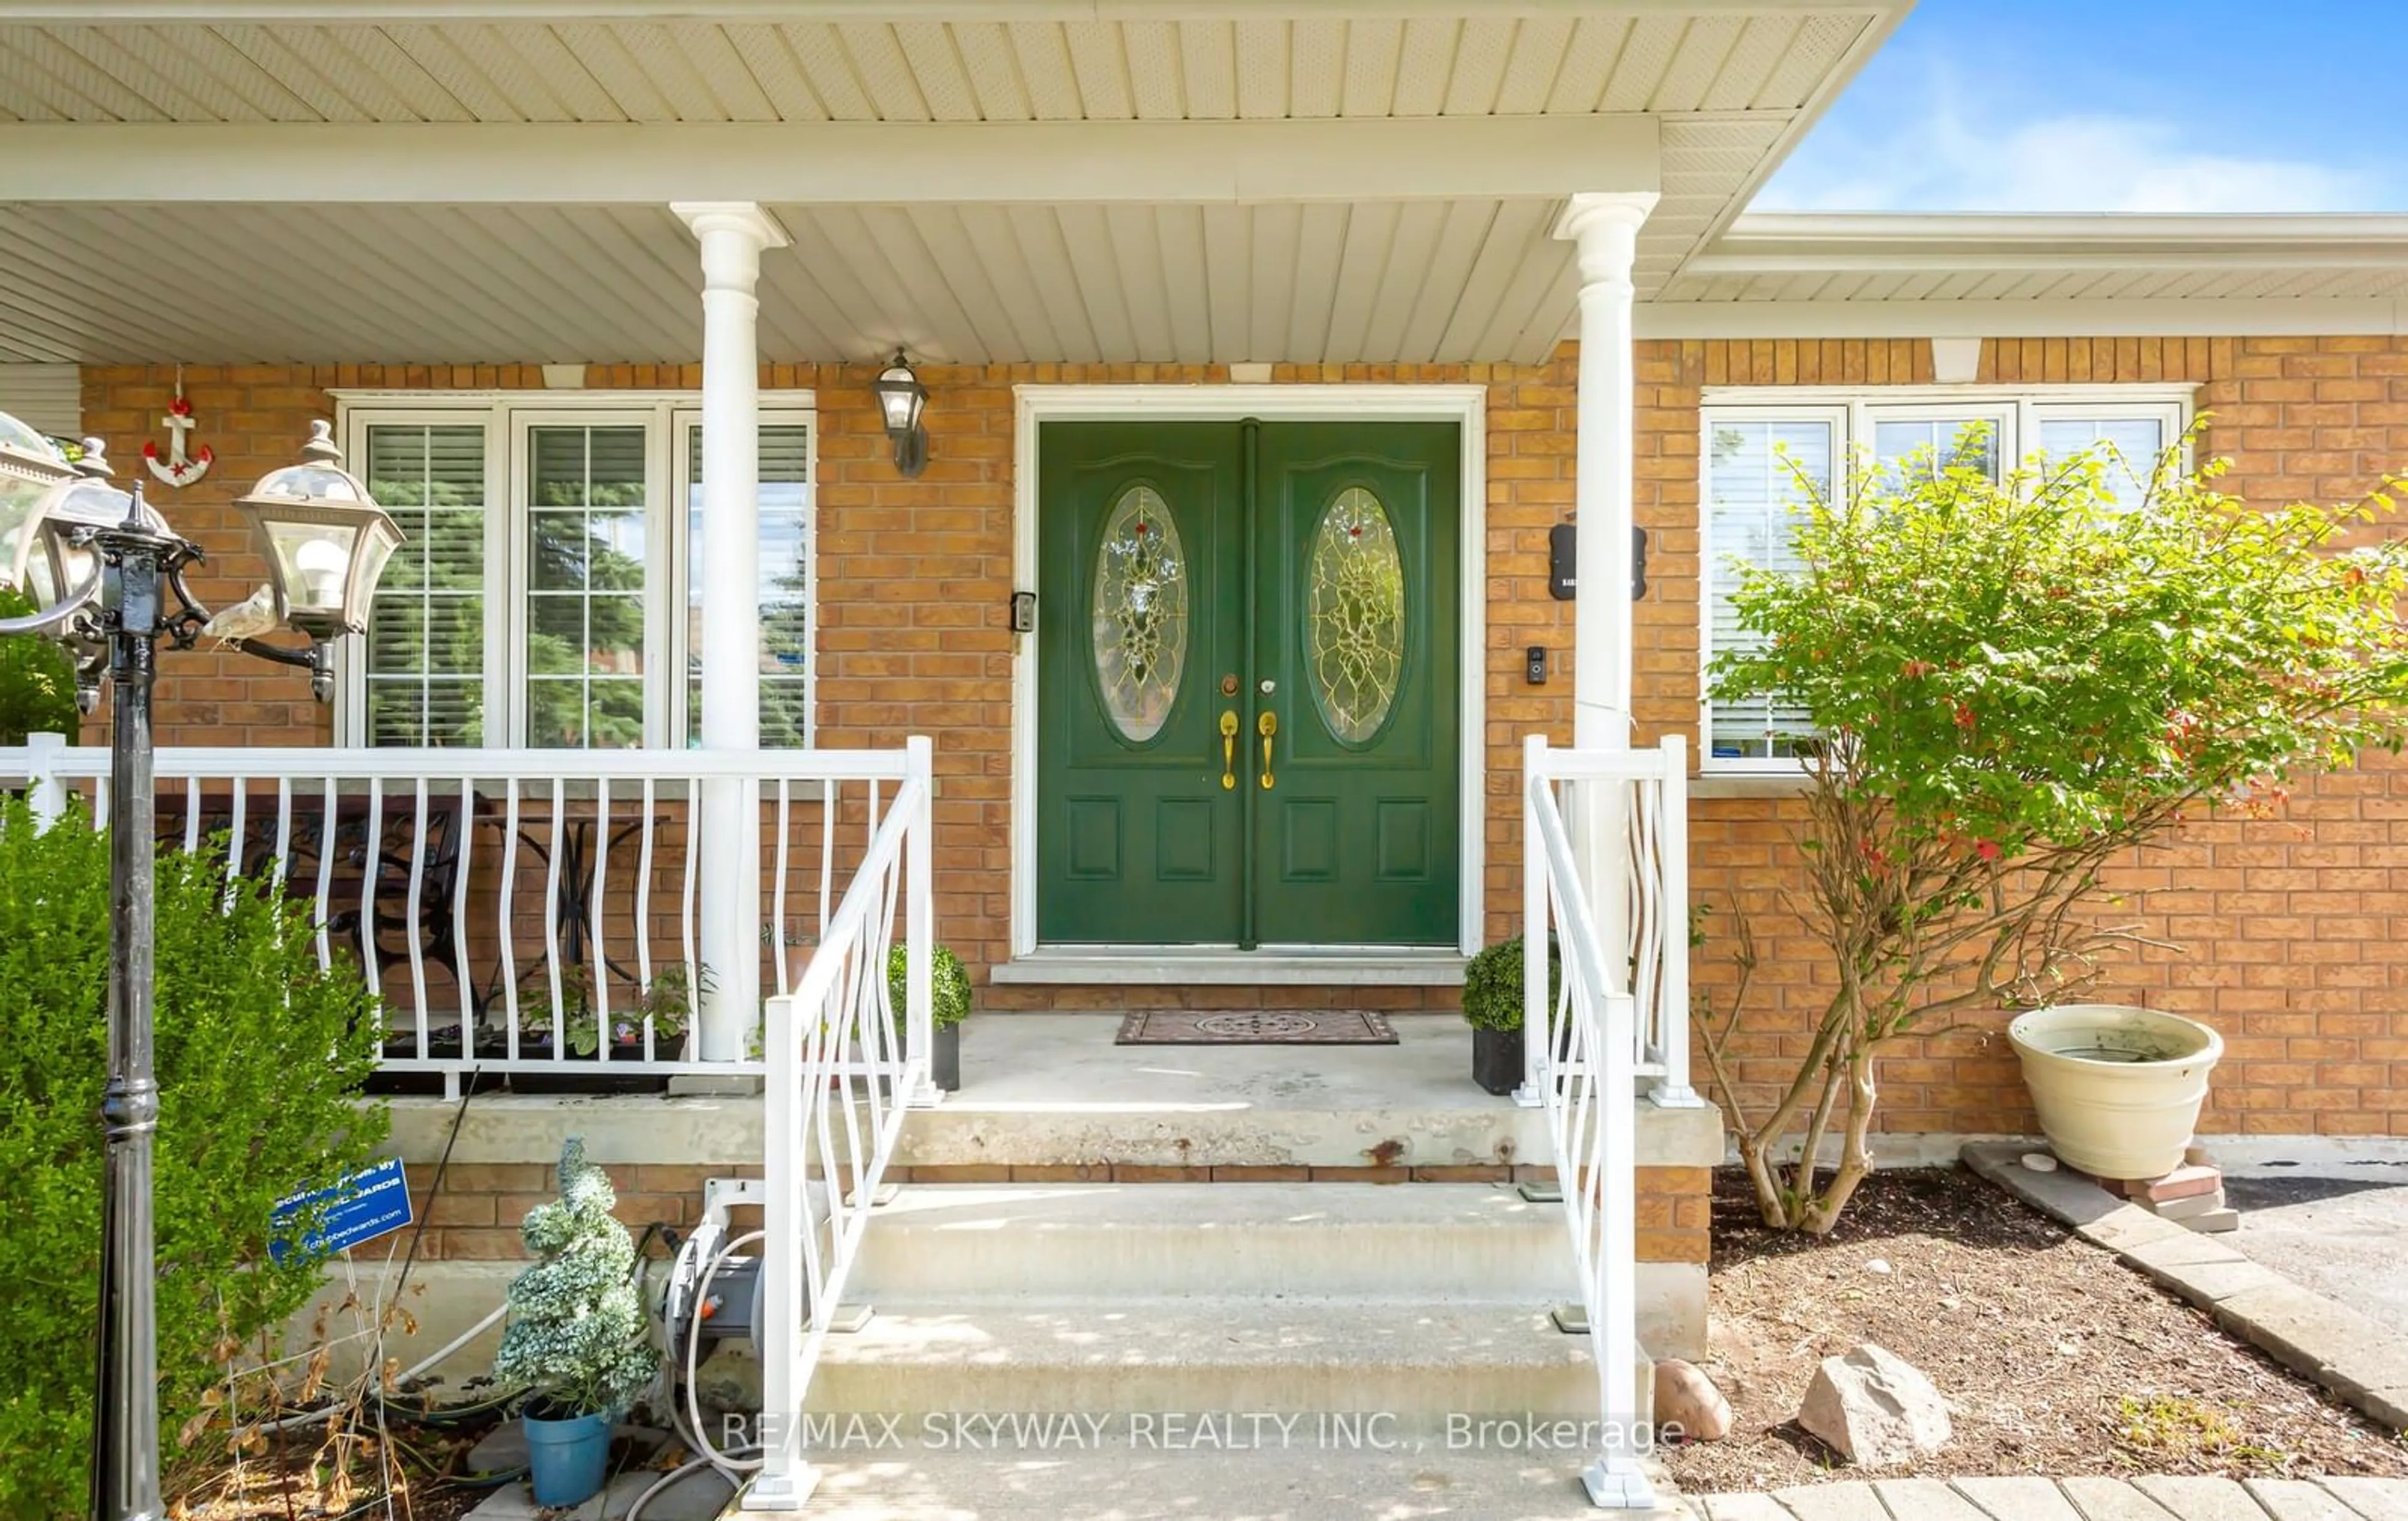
2117,105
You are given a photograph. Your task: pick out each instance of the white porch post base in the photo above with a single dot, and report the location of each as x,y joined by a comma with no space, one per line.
732,234
1615,1484
1674,1096
781,1492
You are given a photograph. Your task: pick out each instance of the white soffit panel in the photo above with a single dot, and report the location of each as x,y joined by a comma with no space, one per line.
62,64
1386,282
1468,274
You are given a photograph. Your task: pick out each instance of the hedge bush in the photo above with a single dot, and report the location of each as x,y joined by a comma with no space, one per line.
259,1056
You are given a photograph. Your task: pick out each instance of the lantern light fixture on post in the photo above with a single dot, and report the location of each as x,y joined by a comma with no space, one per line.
902,399
104,565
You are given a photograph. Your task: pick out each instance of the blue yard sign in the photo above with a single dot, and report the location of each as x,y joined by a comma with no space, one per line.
361,1207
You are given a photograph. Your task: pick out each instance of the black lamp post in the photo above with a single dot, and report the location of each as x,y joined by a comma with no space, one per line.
107,564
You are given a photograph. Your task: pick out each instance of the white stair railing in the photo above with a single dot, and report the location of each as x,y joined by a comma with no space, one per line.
842,1077
1613,1018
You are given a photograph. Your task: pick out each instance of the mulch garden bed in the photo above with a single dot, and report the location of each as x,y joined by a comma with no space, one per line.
2056,1359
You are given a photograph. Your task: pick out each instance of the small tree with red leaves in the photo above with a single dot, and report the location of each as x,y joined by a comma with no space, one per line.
2016,683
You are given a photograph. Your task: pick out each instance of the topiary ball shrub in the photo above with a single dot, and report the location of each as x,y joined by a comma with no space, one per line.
260,1056
950,982
576,1338
1492,985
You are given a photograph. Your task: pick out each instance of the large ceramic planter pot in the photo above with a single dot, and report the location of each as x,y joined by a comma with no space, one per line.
1496,1059
2119,1089
567,1458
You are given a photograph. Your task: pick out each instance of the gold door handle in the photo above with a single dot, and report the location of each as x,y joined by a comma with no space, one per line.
1266,725
1229,750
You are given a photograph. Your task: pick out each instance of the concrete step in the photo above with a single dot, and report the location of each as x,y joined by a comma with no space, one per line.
1428,1241
1417,1364
1120,1480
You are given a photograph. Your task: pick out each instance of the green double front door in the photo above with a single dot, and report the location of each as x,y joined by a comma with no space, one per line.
1249,684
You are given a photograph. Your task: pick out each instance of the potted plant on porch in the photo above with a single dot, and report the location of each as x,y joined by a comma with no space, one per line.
2017,685
1491,1006
577,1338
950,1004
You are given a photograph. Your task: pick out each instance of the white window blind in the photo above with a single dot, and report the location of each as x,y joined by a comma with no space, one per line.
1760,472
425,655
2136,441
785,587
1758,441
586,528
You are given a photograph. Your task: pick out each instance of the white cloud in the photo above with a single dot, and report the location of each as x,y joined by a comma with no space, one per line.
1956,154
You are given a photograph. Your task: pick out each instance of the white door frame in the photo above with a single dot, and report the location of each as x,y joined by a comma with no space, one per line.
1464,404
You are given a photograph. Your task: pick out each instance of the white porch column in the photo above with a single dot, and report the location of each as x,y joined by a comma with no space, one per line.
1605,228
733,234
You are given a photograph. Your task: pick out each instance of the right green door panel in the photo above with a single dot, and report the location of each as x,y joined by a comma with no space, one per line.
1200,578
1356,620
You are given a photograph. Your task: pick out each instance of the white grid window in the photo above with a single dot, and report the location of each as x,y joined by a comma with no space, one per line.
1763,451
547,592
423,674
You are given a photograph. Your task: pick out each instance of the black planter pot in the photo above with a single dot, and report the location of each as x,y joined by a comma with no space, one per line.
945,1058
578,1073
441,1045
1496,1059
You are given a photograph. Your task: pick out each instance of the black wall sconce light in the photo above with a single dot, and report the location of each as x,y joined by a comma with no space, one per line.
902,399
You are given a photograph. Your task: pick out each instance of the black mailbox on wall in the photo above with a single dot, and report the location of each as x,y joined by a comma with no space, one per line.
1563,569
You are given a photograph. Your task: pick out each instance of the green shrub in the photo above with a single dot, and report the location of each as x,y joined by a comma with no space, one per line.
950,982
1492,985
38,694
259,1056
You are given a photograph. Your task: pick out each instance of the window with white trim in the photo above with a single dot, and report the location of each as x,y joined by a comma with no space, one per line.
549,591
1766,452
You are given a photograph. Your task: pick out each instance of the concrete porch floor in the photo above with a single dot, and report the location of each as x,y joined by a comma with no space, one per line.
1044,1089
1052,1090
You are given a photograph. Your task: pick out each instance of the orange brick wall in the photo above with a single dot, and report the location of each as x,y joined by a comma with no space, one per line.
474,1216
2294,930
2294,926
914,582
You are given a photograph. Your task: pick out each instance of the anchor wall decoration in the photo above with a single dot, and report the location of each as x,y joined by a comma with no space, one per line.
179,469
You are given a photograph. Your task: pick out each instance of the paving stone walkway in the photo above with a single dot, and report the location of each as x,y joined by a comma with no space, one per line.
2154,1498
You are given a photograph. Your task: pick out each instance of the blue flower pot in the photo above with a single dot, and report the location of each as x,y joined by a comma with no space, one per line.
568,1459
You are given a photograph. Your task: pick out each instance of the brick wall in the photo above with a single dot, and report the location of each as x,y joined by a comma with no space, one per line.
475,1215
2294,930
2294,927
914,580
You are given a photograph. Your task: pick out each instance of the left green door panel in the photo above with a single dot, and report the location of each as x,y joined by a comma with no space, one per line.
1138,841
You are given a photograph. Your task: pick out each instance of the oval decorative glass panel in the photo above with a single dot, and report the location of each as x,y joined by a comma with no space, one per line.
1139,606
1354,616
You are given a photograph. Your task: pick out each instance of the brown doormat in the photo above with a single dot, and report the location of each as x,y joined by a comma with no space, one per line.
1255,1027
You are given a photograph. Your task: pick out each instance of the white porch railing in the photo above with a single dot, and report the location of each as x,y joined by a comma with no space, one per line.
842,1077
534,914
1617,914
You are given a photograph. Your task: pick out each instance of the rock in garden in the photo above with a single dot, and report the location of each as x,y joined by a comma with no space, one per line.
1874,1409
1686,1398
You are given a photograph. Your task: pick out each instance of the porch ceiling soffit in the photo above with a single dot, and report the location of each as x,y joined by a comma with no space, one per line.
1735,81
1382,281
